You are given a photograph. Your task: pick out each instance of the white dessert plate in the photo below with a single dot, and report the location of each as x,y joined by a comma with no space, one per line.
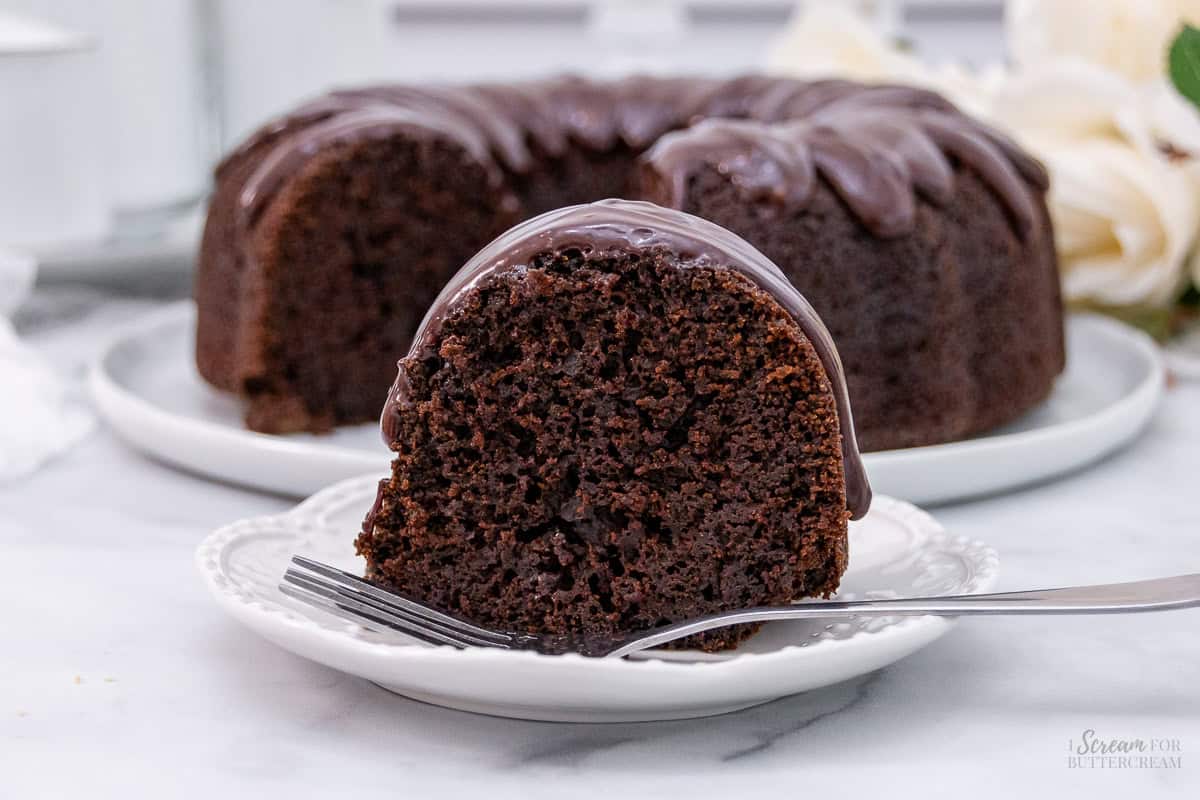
146,385
896,550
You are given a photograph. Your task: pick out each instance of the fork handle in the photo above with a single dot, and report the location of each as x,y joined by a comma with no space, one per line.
1160,594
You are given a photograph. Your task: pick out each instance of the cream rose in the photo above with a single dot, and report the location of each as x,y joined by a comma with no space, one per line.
1124,220
831,40
1127,37
1125,212
1089,96
1072,99
827,39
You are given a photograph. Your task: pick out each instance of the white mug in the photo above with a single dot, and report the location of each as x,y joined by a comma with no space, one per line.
52,188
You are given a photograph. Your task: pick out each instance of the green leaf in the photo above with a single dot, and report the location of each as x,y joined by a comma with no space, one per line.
1183,63
1155,321
1161,322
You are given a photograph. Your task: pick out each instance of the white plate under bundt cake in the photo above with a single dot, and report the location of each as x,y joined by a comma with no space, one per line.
919,235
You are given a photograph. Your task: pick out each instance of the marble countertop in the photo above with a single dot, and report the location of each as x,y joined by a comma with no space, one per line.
119,676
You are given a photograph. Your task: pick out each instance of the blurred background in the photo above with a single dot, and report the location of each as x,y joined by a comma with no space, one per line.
131,101
114,113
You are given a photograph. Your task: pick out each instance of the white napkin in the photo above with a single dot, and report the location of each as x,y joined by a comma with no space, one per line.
40,415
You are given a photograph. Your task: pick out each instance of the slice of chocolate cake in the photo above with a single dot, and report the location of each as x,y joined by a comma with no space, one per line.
615,417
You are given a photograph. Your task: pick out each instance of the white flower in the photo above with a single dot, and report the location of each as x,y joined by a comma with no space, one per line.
1072,99
972,91
1171,117
1089,96
825,39
1125,211
831,40
1124,220
1127,37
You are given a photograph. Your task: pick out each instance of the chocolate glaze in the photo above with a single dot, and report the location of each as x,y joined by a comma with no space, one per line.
761,161
526,102
361,124
465,107
877,146
310,113
624,225
737,97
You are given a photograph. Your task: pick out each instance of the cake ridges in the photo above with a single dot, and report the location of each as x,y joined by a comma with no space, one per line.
878,129
877,146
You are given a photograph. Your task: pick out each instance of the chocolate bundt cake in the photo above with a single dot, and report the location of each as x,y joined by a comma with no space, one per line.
614,417
919,235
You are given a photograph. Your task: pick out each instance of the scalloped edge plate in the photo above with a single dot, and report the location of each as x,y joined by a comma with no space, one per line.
896,550
146,386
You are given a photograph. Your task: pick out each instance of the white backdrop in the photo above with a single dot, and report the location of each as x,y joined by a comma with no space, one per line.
275,52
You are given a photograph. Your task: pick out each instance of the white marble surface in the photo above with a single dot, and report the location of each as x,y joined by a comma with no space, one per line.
119,678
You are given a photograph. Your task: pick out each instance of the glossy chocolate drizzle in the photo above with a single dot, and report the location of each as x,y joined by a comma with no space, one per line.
358,125
624,225
878,147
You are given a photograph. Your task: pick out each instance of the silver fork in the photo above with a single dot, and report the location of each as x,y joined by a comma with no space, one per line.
354,599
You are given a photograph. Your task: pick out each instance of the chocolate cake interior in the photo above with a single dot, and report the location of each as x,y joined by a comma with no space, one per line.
610,441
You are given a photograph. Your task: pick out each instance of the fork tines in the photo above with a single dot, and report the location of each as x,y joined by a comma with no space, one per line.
353,599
